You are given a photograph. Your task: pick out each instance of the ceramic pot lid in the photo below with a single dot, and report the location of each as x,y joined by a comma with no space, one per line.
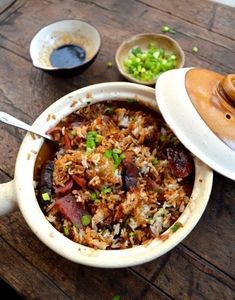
199,106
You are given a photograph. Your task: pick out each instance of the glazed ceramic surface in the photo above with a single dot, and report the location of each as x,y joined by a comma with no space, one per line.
199,130
22,187
66,32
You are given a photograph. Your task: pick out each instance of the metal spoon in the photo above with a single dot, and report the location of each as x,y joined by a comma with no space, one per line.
8,119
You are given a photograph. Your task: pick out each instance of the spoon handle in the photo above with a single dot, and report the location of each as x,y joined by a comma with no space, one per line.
8,119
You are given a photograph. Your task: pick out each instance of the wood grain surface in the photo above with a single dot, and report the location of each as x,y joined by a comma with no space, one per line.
202,266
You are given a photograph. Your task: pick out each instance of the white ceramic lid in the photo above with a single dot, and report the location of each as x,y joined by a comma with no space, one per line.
188,124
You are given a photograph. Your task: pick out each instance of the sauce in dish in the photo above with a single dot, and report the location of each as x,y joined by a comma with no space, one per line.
119,179
68,56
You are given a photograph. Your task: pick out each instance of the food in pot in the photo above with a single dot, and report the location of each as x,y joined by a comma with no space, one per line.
119,179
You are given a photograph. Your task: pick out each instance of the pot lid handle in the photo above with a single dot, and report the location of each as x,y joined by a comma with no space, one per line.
213,96
228,87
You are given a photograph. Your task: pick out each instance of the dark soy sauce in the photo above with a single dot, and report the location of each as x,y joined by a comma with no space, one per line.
68,56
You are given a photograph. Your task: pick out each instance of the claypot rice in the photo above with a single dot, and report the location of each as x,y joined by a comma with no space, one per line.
119,179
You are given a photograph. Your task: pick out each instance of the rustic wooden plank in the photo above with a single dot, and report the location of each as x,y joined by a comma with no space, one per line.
72,279
16,101
167,269
224,21
9,146
197,12
206,240
215,229
184,276
33,99
206,14
10,8
5,4
15,270
188,34
4,177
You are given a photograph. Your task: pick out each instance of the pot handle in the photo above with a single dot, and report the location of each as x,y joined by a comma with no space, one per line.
8,201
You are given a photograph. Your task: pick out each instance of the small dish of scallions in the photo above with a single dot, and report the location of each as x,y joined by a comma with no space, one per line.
144,57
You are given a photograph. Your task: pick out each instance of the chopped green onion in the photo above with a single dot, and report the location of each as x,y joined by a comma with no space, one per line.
161,212
109,110
175,227
127,222
173,57
122,156
74,132
97,201
155,161
168,29
136,51
108,153
132,234
117,160
66,230
195,49
106,190
131,101
98,138
86,219
147,65
93,196
109,64
116,155
46,197
116,297
92,133
162,138
118,151
92,139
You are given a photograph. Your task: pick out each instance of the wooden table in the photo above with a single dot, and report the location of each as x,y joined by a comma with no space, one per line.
202,266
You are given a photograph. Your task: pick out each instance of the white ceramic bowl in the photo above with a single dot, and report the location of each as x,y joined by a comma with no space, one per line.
22,187
58,34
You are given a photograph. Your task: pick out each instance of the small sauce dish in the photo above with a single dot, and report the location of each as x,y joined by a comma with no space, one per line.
65,46
159,48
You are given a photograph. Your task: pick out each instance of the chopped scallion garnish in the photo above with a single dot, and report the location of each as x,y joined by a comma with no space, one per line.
92,139
86,219
168,29
116,297
122,156
116,155
195,49
155,161
108,153
106,190
93,196
46,197
109,64
162,138
117,160
66,230
109,110
73,132
131,101
175,227
147,65
118,151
